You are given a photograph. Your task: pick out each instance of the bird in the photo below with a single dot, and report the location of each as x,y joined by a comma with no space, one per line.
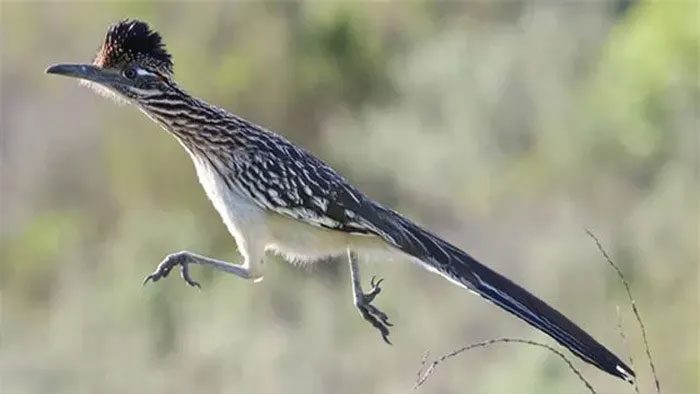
276,197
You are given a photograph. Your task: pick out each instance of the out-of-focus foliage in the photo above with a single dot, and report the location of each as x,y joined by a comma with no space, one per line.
506,127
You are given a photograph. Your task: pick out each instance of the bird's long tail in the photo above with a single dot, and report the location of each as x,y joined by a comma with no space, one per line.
459,267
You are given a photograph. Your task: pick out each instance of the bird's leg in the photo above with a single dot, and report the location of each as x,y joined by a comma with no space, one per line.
363,301
184,258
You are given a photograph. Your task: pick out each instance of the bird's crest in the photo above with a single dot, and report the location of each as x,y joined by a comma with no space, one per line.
132,40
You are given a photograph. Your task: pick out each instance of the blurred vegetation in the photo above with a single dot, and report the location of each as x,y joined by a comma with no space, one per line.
508,127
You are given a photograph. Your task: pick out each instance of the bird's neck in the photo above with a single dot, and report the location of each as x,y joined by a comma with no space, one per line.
195,123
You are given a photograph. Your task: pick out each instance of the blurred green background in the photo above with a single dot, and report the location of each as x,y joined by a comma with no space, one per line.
506,127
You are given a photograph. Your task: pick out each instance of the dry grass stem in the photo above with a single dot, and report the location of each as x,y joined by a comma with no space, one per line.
634,309
621,330
424,373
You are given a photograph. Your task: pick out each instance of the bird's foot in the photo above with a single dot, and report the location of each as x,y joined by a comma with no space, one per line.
165,266
377,318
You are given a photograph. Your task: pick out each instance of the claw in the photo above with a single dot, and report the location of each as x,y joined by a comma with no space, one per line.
185,274
148,278
375,283
375,290
155,276
372,314
164,268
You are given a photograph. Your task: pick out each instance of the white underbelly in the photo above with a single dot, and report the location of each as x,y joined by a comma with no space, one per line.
240,215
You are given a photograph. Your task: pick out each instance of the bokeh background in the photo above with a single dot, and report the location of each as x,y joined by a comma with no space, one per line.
507,127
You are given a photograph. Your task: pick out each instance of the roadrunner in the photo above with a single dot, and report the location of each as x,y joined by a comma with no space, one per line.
275,196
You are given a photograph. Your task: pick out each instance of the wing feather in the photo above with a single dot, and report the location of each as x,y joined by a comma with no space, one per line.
295,184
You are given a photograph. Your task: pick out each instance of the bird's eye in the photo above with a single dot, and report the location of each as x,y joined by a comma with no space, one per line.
130,73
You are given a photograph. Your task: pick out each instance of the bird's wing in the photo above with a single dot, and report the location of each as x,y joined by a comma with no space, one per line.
296,184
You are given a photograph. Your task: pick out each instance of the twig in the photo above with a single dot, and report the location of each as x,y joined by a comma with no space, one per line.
624,343
422,378
423,362
634,308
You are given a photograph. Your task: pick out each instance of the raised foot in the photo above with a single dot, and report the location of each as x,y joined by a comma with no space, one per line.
165,266
372,314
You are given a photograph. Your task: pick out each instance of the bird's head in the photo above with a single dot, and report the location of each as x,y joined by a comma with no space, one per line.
132,64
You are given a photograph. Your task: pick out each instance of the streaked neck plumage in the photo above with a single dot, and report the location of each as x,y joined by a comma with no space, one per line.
197,124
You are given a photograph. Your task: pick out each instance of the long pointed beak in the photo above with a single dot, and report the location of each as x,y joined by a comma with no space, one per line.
82,71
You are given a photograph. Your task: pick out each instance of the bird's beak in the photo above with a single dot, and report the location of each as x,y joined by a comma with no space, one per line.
83,71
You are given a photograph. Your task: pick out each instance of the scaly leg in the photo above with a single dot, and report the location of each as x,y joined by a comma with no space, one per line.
363,301
184,258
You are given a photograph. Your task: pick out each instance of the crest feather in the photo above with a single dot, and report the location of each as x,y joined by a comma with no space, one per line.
133,40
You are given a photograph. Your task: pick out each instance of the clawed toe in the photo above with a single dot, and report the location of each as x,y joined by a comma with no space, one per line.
185,274
167,265
152,277
161,271
377,319
375,290
372,314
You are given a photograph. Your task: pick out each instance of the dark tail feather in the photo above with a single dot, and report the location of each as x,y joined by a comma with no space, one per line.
460,267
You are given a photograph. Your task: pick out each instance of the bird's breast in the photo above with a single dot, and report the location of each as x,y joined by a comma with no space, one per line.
236,210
